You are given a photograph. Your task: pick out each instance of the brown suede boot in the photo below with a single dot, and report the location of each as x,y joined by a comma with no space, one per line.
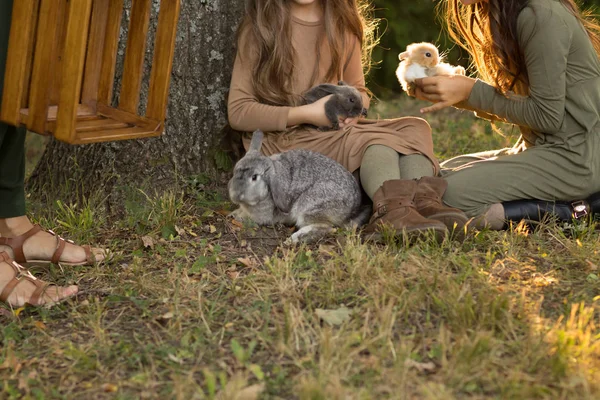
393,205
428,201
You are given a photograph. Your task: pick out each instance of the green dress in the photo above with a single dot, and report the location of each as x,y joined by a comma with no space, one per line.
12,139
558,156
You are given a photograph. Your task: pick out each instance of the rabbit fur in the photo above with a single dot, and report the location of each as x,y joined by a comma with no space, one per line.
346,102
297,187
421,60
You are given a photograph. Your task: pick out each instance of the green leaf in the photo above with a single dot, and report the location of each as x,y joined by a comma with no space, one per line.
223,161
257,371
211,382
168,231
238,351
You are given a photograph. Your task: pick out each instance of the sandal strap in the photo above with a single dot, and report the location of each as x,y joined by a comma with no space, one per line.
20,274
16,243
89,256
60,247
34,300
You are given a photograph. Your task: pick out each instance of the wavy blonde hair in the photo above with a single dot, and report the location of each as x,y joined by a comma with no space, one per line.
488,31
267,29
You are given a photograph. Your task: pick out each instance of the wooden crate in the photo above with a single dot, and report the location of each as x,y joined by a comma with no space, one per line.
61,64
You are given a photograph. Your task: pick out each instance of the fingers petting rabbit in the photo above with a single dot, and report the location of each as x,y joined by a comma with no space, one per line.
345,102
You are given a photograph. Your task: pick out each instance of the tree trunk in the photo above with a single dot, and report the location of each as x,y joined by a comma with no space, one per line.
196,114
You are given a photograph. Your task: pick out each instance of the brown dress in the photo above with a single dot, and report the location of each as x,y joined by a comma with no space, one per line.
405,135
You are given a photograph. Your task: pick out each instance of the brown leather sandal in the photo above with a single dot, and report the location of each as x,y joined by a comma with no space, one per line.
16,244
22,274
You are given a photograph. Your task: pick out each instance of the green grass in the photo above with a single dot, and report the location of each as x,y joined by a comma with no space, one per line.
207,309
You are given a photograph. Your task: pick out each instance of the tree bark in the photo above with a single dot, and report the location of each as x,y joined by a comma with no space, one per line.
205,51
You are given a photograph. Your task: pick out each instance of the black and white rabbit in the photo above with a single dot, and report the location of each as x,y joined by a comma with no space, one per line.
346,102
297,187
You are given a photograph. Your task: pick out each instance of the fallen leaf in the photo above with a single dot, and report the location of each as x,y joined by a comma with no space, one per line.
213,229
237,223
327,250
110,388
419,366
148,242
40,325
179,230
334,317
248,262
166,316
233,274
19,311
223,212
175,359
593,266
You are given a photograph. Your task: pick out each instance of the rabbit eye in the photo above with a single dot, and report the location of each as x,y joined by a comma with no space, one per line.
351,99
428,54
254,177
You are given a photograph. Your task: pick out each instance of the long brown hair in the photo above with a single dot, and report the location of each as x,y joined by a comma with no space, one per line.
488,31
267,29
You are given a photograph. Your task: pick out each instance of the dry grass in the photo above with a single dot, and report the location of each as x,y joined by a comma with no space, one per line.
219,311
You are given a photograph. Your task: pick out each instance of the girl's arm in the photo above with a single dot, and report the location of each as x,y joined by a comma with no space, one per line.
246,113
546,40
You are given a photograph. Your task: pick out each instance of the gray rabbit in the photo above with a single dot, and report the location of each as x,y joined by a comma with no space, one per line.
346,102
297,187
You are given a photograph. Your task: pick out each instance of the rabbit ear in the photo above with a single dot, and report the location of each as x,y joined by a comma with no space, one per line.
256,142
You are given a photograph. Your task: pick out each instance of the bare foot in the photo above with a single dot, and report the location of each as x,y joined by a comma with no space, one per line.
25,288
42,245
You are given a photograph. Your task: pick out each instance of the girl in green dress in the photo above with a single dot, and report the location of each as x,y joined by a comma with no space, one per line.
538,66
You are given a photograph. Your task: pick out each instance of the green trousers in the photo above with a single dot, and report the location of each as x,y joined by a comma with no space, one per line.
12,139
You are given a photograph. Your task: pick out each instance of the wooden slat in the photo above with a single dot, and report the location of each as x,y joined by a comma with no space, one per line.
93,63
127,117
134,55
162,65
43,66
61,23
109,57
117,134
98,124
30,49
17,60
72,73
83,112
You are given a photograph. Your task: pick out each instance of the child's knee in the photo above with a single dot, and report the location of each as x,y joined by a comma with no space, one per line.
421,126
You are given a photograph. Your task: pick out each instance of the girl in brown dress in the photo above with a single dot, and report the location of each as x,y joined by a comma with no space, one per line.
285,47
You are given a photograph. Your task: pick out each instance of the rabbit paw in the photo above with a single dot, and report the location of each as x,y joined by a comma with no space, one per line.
309,233
239,215
459,70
